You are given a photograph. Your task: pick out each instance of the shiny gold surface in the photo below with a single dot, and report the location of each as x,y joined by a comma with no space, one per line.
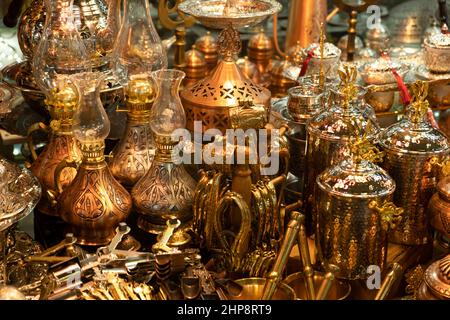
305,17
94,203
61,146
253,290
339,290
165,192
260,51
196,67
132,156
210,99
207,45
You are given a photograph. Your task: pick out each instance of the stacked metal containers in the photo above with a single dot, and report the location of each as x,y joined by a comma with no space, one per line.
413,150
330,130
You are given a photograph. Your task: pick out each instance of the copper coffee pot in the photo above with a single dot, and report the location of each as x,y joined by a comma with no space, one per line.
61,146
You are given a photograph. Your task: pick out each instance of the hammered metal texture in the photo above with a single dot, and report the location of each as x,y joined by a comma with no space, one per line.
416,182
349,234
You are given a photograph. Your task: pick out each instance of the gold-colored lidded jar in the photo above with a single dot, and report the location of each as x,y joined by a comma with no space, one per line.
196,67
260,52
207,45
351,228
328,132
279,82
413,148
249,69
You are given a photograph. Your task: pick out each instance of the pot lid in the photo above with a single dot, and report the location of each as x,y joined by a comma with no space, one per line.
260,41
336,123
414,134
194,58
437,277
379,32
408,137
439,39
363,180
206,43
330,50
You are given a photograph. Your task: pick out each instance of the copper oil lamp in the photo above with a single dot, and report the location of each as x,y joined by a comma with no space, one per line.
166,191
59,53
132,156
134,59
95,202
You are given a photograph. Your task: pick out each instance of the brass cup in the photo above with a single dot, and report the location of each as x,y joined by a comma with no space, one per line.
380,101
252,289
339,290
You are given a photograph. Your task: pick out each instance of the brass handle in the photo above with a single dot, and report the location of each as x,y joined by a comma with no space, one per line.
33,128
328,280
391,215
389,281
240,243
274,277
443,164
58,170
308,272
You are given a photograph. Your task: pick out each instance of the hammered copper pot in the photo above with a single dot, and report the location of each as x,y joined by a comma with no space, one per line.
351,230
412,149
439,208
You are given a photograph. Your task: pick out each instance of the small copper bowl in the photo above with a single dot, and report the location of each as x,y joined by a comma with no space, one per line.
339,290
252,289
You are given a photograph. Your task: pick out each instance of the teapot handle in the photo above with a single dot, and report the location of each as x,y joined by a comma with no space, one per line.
33,128
59,168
